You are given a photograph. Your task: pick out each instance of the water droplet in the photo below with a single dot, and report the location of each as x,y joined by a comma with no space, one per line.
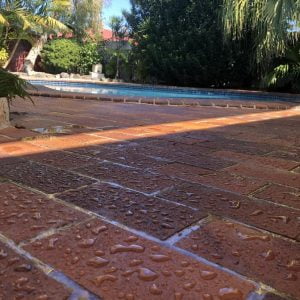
75,260
294,265
99,253
178,296
189,286
51,243
166,273
230,294
179,273
154,290
131,239
256,213
99,229
159,257
291,277
185,263
246,237
3,254
135,262
194,247
102,278
87,243
208,275
269,255
131,248
23,268
167,226
147,274
97,262
129,297
284,219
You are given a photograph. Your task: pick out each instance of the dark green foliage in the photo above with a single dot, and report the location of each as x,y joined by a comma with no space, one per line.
89,56
285,73
61,55
12,86
181,42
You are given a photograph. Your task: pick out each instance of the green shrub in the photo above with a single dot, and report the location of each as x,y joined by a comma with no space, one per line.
61,55
89,56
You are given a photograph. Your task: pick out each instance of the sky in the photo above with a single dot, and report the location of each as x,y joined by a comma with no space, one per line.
115,9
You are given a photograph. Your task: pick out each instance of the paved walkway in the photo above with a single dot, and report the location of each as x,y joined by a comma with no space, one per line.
126,201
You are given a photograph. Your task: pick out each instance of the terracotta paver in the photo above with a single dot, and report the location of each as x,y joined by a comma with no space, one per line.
290,155
267,173
260,160
231,182
25,214
160,171
136,179
20,279
61,159
115,264
44,178
18,149
69,141
273,261
151,215
281,220
280,194
182,171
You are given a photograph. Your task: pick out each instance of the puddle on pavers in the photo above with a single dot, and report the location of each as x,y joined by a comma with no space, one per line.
57,129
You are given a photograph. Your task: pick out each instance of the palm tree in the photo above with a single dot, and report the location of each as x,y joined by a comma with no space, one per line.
21,19
275,23
286,73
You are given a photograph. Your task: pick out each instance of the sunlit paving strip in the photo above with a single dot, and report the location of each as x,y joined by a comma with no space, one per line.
94,138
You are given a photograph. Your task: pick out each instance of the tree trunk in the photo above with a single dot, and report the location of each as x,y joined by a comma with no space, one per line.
4,113
13,52
34,53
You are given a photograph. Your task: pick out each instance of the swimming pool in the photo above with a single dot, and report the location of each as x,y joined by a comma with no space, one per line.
152,92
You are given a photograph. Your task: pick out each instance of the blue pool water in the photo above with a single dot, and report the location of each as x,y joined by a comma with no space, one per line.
150,92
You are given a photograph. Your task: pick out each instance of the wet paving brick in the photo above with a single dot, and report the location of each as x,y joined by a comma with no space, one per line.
25,214
267,173
250,252
277,219
44,178
149,214
219,143
129,177
280,194
290,155
18,149
232,182
202,161
61,159
20,279
69,141
182,171
115,264
255,159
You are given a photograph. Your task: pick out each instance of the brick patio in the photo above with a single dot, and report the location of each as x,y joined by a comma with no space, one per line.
130,201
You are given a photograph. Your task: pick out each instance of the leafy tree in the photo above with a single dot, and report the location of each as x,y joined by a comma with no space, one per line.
275,23
181,42
119,39
21,19
89,56
85,19
285,75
